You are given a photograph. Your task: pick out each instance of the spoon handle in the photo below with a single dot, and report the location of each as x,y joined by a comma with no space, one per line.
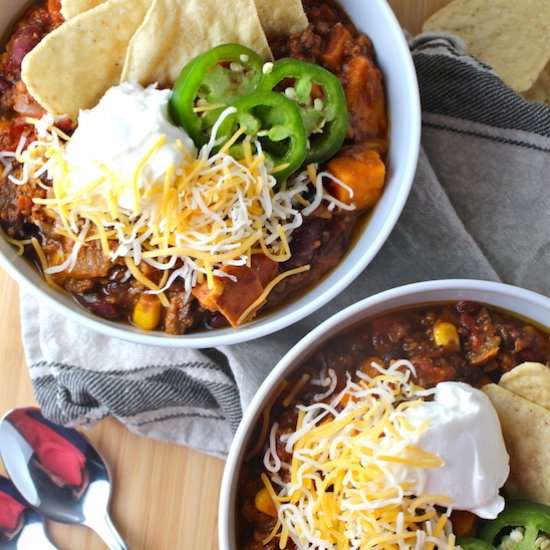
107,531
33,536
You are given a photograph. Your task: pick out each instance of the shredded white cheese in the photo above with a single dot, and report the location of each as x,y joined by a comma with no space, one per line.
205,213
356,472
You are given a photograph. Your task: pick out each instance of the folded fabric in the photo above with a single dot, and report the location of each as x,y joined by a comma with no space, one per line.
479,208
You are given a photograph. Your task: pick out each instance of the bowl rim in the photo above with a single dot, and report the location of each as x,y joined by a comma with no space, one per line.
340,321
287,314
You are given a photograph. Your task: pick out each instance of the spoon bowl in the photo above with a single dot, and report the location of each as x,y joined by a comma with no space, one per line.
58,472
21,527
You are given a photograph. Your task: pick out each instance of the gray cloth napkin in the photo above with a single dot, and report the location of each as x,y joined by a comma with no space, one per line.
479,208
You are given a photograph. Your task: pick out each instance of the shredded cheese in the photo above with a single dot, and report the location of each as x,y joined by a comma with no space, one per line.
20,245
271,285
139,276
44,264
208,212
355,474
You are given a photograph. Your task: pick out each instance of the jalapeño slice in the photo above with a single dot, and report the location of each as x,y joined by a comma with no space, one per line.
210,83
533,518
275,122
321,100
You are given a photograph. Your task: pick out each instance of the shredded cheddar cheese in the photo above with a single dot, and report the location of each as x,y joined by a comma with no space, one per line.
271,285
44,264
355,474
199,216
20,245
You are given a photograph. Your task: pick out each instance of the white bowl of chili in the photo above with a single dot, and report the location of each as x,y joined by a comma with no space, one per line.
332,342
394,61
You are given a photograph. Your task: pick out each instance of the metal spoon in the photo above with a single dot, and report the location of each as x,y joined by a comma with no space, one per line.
58,472
21,527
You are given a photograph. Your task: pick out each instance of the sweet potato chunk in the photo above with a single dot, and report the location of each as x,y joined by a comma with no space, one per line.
363,171
264,268
335,51
233,296
464,523
366,100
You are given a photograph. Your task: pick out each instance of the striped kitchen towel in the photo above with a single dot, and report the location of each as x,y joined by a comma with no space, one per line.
479,208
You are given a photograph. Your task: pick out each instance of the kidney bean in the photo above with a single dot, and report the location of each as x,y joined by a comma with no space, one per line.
98,305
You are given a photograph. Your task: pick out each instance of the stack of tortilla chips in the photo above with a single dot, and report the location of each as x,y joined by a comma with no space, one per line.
522,401
104,42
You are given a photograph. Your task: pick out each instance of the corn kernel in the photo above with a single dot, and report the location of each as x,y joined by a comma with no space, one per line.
147,312
264,503
446,336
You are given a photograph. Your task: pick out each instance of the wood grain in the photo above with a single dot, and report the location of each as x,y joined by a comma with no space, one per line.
412,13
165,496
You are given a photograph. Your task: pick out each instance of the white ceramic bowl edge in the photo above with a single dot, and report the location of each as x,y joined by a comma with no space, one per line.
518,301
377,20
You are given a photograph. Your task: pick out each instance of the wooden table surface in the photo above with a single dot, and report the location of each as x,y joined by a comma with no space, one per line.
165,496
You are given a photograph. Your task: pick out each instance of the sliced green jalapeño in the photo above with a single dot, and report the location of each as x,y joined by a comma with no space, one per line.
210,83
533,518
321,100
275,122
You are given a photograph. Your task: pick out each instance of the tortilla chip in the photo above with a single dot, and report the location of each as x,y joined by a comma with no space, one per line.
540,90
531,381
173,32
509,35
526,431
72,8
286,16
79,61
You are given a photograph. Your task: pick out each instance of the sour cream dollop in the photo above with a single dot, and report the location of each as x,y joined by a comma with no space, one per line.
464,430
118,133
